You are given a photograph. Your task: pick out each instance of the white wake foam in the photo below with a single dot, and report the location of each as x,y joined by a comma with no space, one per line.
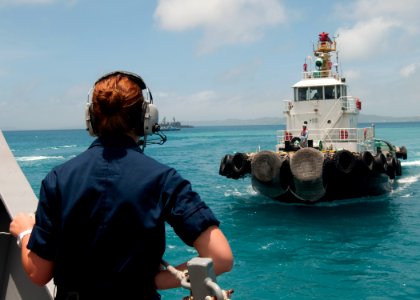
35,158
409,179
411,163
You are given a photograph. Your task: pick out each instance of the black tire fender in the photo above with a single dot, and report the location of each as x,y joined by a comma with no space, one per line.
226,165
404,152
380,163
398,169
241,165
367,159
344,161
391,168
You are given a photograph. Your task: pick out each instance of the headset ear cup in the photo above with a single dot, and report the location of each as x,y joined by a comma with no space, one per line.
140,130
90,127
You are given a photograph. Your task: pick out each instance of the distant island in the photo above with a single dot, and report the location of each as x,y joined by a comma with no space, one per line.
238,122
280,120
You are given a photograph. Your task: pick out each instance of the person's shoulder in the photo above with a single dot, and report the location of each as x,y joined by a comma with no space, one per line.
151,161
80,159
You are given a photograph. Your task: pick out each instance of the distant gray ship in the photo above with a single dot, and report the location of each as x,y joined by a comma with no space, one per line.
172,126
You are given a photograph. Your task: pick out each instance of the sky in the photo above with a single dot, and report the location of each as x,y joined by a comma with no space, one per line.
203,60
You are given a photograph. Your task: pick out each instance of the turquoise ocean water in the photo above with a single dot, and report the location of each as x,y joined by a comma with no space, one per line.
359,249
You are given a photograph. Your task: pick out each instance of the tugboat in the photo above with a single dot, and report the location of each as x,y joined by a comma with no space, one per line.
321,155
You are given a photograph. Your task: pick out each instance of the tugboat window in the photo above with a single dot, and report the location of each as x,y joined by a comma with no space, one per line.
329,92
316,93
301,94
338,91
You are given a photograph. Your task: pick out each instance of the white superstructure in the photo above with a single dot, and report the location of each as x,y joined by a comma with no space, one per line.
321,102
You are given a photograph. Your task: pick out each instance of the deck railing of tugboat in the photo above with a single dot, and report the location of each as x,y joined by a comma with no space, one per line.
320,74
333,138
349,103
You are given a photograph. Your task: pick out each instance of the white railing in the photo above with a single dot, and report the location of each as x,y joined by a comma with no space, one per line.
317,74
320,74
361,139
349,103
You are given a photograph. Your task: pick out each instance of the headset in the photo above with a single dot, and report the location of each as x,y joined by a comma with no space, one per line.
149,116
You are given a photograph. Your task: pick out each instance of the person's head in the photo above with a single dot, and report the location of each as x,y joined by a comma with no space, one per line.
117,104
304,126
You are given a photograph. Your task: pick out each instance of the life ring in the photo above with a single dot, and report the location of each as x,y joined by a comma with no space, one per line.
344,134
287,136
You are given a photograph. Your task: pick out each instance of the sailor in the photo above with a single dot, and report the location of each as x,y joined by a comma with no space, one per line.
99,229
304,136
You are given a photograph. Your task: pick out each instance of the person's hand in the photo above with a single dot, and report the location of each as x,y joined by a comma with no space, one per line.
21,222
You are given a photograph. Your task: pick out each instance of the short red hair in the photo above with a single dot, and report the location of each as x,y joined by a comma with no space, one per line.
116,105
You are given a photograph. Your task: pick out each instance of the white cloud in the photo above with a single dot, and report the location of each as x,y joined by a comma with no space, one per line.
409,70
365,39
380,26
402,10
222,21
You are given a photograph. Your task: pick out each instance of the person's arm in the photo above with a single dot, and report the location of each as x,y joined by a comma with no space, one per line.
39,270
166,280
211,243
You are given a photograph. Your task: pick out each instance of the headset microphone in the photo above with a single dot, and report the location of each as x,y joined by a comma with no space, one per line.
151,126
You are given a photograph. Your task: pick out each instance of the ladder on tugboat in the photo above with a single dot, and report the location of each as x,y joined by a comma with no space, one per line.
346,104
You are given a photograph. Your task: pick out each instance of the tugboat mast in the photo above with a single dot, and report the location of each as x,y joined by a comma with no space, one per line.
323,62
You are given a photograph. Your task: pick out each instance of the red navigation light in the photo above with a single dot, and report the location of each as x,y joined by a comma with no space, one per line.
323,37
